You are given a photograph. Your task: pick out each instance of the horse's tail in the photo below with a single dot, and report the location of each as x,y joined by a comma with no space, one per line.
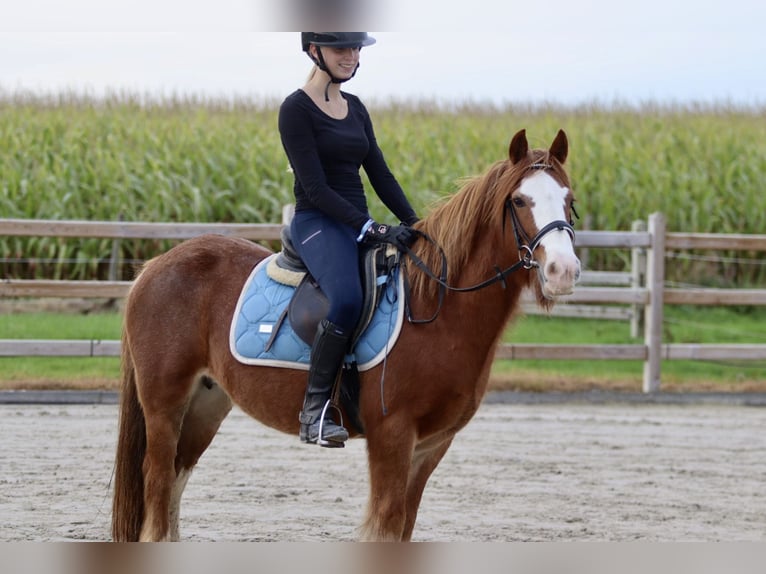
128,502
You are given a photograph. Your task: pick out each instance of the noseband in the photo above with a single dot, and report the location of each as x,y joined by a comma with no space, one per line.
525,245
526,249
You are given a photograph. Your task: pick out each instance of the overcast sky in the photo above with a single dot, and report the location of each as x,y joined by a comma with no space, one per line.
500,51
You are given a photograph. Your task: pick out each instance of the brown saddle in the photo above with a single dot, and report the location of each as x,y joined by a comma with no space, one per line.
309,305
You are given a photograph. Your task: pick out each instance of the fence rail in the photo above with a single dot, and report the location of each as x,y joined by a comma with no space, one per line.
135,229
643,289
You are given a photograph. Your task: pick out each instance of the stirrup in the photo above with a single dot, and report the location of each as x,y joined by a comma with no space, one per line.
320,440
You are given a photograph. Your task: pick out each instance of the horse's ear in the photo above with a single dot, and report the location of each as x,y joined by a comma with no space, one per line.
519,147
560,147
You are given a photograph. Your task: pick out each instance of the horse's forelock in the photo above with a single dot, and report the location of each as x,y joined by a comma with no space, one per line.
553,167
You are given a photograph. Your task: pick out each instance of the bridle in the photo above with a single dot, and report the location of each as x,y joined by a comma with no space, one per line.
525,245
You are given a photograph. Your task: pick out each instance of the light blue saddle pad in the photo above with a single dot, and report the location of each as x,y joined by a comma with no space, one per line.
262,302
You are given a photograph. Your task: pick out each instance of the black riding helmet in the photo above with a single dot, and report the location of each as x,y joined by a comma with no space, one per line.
334,40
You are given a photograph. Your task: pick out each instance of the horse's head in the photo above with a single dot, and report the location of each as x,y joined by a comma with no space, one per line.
541,211
529,192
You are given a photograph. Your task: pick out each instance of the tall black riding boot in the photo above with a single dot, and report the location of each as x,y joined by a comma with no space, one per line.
329,348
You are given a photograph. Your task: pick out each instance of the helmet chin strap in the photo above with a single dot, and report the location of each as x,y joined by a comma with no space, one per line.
333,80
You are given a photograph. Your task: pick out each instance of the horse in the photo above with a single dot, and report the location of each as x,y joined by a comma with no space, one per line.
179,379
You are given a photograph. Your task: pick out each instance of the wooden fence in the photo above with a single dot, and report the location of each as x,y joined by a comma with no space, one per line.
647,298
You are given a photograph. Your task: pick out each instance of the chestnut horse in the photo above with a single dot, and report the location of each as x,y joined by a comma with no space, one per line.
504,231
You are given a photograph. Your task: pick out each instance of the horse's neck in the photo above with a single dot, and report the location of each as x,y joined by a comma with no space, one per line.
497,301
487,309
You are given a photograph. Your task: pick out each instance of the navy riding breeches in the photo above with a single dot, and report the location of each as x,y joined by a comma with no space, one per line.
331,254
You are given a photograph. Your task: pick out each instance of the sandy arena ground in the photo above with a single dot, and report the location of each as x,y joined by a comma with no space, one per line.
516,473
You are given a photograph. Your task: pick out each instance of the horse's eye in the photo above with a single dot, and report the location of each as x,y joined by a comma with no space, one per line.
519,202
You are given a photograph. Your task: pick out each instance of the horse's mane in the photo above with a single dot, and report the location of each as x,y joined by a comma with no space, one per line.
460,220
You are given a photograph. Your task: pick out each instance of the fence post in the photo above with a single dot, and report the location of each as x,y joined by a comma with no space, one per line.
655,282
114,260
583,253
637,280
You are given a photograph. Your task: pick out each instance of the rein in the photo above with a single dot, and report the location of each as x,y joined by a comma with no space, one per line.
526,260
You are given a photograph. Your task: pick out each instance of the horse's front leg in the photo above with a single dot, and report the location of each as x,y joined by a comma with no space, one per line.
389,449
424,461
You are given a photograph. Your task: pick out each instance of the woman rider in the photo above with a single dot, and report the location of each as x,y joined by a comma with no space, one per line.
328,135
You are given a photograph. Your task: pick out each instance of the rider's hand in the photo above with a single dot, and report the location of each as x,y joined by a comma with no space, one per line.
400,236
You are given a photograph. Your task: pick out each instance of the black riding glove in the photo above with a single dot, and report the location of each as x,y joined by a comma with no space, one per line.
400,236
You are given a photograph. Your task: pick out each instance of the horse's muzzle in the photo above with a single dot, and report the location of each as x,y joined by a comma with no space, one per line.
558,275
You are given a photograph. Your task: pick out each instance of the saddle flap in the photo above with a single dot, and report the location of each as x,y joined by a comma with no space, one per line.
307,308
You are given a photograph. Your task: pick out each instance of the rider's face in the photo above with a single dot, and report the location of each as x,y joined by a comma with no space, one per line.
341,62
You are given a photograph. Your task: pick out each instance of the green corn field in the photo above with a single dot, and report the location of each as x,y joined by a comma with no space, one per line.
136,158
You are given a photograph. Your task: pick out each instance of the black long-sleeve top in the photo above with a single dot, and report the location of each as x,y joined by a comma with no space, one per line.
326,153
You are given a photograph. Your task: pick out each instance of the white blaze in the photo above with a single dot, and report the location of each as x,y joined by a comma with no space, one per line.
548,202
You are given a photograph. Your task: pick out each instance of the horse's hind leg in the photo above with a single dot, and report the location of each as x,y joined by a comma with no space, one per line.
208,408
163,426
179,427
